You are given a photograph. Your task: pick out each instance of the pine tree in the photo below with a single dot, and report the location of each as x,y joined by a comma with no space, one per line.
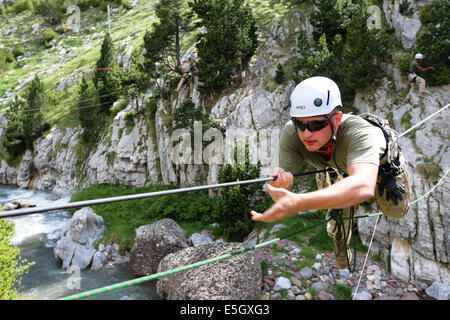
279,74
13,137
31,115
106,78
87,116
163,41
227,45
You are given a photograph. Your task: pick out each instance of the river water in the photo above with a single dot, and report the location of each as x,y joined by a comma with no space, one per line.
36,236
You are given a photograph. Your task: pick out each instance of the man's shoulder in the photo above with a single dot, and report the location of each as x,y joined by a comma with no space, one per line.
355,126
354,121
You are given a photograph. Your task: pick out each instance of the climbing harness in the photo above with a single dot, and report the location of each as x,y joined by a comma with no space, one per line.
158,275
413,202
392,192
344,235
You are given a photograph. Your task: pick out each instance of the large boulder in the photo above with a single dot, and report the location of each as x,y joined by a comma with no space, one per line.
153,242
82,231
236,278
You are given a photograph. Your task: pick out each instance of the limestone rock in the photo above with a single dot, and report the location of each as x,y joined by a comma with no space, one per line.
197,238
153,242
439,291
235,278
282,283
82,231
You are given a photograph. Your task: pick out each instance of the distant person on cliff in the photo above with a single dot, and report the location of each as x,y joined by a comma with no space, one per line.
188,70
414,77
354,147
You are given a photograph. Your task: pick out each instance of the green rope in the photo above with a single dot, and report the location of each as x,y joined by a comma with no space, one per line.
158,275
225,256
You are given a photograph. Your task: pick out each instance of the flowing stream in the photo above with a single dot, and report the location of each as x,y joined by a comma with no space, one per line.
36,236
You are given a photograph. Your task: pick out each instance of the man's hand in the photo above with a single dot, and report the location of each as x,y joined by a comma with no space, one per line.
286,204
284,179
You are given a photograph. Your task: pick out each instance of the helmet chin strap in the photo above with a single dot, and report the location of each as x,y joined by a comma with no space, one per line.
329,145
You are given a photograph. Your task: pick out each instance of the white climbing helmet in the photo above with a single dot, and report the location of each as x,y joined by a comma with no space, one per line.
314,96
418,56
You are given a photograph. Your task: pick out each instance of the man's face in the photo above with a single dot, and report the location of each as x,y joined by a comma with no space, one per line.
314,140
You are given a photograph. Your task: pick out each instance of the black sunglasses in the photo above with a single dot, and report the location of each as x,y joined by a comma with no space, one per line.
314,125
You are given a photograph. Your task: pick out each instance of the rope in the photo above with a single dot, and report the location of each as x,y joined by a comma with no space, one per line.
191,266
21,212
376,224
229,255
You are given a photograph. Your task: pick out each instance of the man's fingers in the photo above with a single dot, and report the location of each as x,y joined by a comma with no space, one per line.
255,215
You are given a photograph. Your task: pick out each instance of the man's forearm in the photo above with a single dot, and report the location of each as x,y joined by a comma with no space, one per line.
345,193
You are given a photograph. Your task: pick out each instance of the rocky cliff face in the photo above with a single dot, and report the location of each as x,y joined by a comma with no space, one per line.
417,246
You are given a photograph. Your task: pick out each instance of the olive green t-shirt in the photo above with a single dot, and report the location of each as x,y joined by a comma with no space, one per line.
358,141
413,67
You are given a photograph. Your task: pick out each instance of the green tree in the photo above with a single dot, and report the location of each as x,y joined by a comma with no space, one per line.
11,267
86,115
13,137
227,42
279,74
25,121
345,49
106,78
233,210
434,43
163,41
31,114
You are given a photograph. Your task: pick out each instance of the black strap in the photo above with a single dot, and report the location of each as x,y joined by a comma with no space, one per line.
387,135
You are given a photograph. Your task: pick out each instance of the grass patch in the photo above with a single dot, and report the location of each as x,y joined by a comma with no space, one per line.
342,292
191,210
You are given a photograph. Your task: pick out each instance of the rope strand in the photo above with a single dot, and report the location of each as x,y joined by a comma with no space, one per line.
229,255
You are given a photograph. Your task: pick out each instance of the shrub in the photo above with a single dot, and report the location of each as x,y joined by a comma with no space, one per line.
51,10
18,51
49,34
342,292
233,211
124,217
404,8
11,267
434,44
403,63
279,74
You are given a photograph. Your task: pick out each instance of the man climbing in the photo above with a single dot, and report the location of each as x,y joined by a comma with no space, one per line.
324,137
414,78
188,69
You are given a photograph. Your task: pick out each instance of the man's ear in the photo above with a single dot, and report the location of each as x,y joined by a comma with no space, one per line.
339,118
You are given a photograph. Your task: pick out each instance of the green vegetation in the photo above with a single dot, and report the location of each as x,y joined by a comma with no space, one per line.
342,292
192,209
433,42
163,42
228,44
233,211
11,266
187,113
341,38
25,121
279,74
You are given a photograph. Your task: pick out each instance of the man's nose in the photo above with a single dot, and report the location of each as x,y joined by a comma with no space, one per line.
307,133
